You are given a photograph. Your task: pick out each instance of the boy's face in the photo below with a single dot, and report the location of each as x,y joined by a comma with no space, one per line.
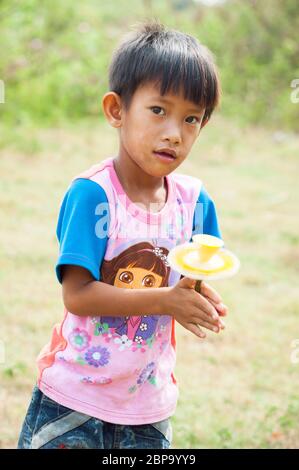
154,122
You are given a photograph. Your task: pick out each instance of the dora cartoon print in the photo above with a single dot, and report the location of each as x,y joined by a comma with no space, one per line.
141,266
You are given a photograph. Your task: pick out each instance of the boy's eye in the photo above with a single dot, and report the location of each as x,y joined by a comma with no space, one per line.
156,107
193,117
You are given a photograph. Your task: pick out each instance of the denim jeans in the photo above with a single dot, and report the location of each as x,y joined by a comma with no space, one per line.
49,425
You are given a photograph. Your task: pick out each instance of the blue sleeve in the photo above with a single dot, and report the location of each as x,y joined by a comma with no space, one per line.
205,218
82,228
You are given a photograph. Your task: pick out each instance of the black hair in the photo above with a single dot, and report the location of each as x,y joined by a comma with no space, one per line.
165,57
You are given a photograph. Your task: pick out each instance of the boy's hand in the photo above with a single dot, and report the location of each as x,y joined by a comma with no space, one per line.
212,296
194,310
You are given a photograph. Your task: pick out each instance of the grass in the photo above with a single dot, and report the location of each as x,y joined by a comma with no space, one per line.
237,389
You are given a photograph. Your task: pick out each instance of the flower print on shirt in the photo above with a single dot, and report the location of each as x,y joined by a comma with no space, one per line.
100,328
97,356
141,266
146,375
141,345
79,339
124,342
98,381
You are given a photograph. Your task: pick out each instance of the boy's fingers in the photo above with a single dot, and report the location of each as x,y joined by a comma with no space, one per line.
214,298
203,317
194,328
208,291
207,306
216,323
223,312
221,308
215,328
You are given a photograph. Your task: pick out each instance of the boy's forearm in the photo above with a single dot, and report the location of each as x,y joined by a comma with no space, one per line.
100,299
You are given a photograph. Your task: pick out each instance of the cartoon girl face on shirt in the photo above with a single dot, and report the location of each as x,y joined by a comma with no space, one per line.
129,274
137,278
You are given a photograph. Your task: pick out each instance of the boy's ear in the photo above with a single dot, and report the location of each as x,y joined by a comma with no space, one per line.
111,104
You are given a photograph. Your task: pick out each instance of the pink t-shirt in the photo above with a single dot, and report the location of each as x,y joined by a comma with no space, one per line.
121,369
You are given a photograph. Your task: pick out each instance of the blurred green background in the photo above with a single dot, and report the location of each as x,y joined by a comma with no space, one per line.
55,54
239,388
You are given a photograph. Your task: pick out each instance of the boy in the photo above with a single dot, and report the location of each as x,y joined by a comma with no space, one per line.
106,379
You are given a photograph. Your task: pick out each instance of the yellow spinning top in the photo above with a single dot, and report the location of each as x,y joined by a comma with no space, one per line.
204,258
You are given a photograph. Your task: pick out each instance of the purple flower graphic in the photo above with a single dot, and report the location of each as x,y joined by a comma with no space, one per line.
100,380
79,339
97,356
146,374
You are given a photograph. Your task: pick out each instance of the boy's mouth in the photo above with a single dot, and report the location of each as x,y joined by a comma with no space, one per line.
165,155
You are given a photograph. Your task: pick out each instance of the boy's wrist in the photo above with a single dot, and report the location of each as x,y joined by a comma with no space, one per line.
154,301
162,303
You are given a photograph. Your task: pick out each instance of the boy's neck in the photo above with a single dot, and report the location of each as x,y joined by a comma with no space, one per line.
133,178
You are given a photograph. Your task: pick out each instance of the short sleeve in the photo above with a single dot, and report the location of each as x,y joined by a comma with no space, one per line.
82,228
205,219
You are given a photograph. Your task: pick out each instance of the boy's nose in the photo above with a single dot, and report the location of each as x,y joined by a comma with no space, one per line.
172,135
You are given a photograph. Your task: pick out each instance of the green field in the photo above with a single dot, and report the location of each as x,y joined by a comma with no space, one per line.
237,389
